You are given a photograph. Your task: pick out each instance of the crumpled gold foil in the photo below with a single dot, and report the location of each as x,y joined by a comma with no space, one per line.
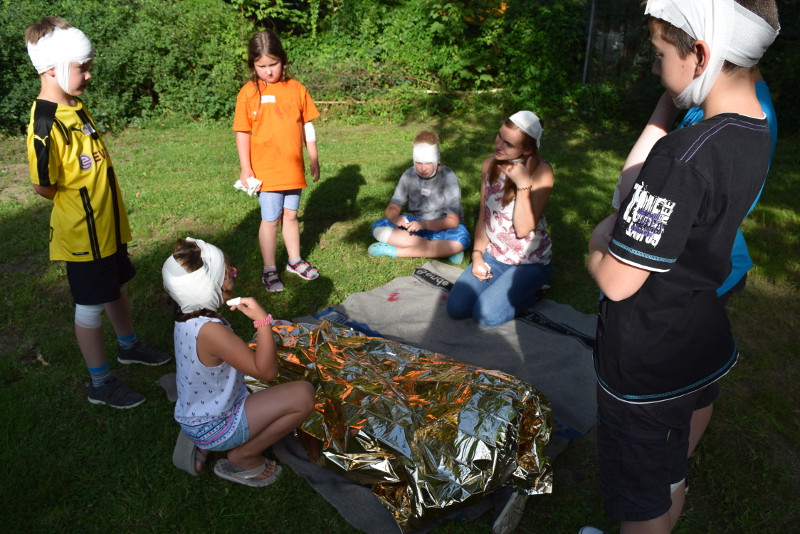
425,431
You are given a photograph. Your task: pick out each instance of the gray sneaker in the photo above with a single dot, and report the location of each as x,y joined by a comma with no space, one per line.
115,394
143,354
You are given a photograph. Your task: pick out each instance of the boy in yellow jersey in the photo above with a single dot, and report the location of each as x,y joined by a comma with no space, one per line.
89,229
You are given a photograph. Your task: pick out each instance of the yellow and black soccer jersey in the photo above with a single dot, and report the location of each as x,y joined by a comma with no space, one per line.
88,220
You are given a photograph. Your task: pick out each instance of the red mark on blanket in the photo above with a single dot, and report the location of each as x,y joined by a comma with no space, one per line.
394,297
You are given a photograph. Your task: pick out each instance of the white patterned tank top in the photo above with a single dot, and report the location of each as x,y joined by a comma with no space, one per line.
504,245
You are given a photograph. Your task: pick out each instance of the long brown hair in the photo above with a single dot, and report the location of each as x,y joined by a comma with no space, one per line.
528,143
265,43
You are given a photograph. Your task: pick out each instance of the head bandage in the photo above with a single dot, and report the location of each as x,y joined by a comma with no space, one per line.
201,288
732,33
427,153
59,49
529,123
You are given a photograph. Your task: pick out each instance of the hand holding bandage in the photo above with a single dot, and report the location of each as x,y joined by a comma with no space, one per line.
253,186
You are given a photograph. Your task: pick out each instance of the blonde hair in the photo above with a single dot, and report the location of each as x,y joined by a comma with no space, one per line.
46,26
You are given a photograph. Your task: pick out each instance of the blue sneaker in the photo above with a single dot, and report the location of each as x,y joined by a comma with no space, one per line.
382,249
456,258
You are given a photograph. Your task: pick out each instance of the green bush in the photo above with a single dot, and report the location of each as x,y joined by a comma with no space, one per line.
368,51
392,59
151,58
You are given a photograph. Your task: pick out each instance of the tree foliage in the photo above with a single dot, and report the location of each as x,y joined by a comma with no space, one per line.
151,57
392,57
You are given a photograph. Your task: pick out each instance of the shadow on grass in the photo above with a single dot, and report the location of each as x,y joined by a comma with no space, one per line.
334,199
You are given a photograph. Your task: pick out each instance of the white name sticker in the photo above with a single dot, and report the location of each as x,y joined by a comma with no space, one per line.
267,98
425,192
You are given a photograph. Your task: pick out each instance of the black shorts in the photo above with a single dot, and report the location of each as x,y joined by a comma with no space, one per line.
99,281
642,450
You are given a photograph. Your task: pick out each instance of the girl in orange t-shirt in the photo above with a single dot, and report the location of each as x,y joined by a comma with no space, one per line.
272,120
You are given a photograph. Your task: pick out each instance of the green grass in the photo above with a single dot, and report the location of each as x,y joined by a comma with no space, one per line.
68,466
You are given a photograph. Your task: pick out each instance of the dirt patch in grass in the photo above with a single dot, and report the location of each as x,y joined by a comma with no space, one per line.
15,183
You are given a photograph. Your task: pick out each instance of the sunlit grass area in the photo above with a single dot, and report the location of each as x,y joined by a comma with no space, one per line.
68,466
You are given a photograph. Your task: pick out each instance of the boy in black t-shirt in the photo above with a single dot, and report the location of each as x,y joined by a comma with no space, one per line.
663,338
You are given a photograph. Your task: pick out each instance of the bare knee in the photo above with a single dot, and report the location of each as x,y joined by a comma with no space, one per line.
270,225
306,397
289,216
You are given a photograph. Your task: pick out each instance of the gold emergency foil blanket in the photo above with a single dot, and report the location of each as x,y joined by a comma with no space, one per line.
425,431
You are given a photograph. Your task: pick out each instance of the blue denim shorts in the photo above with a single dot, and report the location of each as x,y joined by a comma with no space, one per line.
274,202
459,233
221,434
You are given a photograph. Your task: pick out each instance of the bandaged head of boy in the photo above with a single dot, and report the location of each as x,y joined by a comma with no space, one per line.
59,49
732,33
426,150
201,289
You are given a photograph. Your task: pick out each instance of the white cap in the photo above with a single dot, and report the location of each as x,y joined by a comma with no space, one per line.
529,123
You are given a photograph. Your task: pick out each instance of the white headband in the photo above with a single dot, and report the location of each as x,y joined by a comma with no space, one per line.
529,123
425,153
732,33
59,49
201,288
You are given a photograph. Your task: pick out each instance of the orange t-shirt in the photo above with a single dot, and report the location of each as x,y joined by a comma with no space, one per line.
274,117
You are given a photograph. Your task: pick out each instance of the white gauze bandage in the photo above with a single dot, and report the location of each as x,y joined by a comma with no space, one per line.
311,133
382,233
89,315
200,289
59,49
732,33
426,153
529,123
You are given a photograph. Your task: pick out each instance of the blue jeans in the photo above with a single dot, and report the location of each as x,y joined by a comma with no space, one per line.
509,292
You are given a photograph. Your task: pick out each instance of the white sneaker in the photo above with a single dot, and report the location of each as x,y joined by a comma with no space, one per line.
590,530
